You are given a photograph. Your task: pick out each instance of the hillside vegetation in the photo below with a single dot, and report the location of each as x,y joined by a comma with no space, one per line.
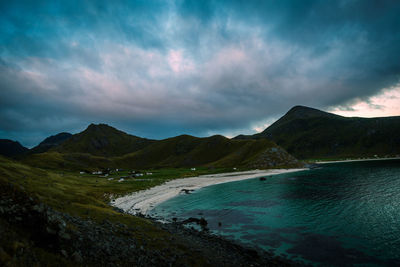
50,218
102,146
102,140
214,151
308,133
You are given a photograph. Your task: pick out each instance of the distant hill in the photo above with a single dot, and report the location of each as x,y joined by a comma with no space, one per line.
308,133
102,140
102,146
50,142
214,151
11,148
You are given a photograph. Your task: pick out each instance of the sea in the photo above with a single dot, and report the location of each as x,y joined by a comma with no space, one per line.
339,214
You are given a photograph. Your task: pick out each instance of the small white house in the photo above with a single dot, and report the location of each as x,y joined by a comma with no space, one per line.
193,169
149,173
81,172
121,180
138,174
110,179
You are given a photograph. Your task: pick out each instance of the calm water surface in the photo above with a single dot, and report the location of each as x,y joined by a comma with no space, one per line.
340,214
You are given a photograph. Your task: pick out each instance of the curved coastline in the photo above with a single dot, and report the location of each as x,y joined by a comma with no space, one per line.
356,160
142,202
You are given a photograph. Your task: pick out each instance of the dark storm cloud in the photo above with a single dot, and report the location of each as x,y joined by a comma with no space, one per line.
158,68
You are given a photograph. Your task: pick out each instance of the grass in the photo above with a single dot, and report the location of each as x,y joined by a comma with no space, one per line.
54,178
87,196
179,153
102,140
101,146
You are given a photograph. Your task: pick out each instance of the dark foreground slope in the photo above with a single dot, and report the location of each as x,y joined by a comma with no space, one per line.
310,133
48,219
102,146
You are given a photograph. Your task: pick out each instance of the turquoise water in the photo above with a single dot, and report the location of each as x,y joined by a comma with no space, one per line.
340,214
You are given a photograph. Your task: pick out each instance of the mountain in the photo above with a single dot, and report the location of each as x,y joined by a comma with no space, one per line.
102,146
214,151
309,133
11,148
102,140
50,142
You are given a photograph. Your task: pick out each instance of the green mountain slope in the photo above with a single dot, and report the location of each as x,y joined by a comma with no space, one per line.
102,140
102,146
214,151
310,133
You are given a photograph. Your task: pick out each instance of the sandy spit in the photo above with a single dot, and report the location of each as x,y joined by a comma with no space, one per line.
143,201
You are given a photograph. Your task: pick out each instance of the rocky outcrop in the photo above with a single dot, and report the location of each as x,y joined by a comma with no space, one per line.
275,157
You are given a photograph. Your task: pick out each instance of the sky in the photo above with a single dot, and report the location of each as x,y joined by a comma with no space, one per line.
157,69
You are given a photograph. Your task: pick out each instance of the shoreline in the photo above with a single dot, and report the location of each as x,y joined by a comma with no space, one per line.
354,160
142,202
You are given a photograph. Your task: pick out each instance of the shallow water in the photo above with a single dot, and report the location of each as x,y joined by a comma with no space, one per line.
340,214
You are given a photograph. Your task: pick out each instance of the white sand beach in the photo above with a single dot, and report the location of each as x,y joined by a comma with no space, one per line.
143,201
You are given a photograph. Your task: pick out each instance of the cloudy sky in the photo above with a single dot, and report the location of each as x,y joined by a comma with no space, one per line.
162,68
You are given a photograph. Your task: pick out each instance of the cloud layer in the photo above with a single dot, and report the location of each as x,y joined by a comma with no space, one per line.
161,68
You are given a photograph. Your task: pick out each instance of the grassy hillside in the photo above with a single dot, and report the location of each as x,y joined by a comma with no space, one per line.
212,152
102,140
51,218
308,133
178,152
68,161
102,146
